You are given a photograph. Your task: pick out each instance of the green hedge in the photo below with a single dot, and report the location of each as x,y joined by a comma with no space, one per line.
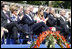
56,4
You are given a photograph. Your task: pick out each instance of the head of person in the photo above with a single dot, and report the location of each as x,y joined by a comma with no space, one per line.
47,10
41,7
27,10
12,4
62,12
31,8
3,2
52,10
14,10
5,7
40,13
21,8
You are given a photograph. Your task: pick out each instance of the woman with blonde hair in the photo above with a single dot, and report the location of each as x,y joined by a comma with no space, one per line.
40,16
14,10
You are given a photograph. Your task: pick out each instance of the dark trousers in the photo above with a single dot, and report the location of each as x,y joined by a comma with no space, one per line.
13,27
42,25
19,27
65,28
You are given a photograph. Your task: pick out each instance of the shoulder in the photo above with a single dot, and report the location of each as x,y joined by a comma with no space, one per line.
25,16
2,12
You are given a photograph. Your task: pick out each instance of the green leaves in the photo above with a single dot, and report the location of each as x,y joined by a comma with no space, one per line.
65,4
33,44
50,41
55,4
34,2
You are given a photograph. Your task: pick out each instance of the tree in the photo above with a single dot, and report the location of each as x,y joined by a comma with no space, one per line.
34,2
56,4
62,4
17,2
67,4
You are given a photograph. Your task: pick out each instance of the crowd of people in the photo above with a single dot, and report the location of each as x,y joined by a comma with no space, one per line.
18,19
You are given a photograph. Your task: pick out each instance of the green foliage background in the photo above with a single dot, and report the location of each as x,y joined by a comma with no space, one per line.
56,4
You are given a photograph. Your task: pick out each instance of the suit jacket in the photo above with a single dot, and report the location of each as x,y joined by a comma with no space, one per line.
45,14
51,21
32,14
32,25
27,20
62,21
63,24
4,18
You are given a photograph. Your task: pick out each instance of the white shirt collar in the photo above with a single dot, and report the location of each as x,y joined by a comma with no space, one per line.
63,18
4,11
29,16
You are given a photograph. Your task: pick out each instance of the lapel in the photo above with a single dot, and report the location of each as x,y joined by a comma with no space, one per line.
65,18
31,17
3,15
6,16
28,18
52,15
61,19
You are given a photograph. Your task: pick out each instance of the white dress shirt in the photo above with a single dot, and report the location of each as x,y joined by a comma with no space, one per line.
63,18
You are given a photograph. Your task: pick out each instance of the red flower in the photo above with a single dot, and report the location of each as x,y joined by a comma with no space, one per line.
55,32
40,39
67,45
57,38
62,38
38,43
50,32
50,27
43,34
58,31
57,35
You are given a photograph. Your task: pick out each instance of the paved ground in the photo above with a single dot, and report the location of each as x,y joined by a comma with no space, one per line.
25,46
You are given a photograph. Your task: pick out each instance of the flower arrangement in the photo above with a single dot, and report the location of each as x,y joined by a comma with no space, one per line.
51,37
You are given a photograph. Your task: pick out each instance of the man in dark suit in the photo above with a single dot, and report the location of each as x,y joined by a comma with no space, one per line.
5,19
63,23
46,13
31,11
9,25
27,19
52,21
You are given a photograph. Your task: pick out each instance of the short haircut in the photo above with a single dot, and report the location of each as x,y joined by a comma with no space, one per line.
47,9
62,10
13,8
2,6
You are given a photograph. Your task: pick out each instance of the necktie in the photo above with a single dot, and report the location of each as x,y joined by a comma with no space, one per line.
63,18
7,15
8,19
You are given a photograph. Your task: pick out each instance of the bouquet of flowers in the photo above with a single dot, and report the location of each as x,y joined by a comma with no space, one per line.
51,37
